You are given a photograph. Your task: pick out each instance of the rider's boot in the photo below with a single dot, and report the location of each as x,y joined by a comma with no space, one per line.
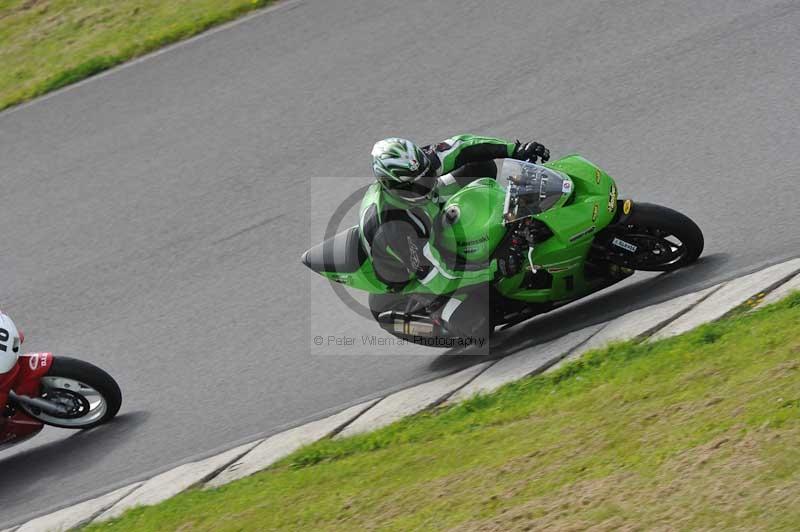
470,319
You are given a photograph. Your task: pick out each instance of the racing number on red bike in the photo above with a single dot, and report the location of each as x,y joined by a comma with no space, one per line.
4,336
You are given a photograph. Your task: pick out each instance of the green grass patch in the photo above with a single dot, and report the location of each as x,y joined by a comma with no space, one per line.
47,44
701,431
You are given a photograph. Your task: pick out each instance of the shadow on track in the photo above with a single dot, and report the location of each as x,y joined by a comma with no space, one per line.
604,306
27,470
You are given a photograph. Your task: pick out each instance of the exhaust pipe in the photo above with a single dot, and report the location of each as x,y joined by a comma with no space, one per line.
408,324
35,402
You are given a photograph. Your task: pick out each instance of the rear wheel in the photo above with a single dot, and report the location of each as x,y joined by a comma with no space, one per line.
89,394
653,238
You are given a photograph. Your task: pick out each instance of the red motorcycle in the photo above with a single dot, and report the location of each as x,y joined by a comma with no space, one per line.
50,390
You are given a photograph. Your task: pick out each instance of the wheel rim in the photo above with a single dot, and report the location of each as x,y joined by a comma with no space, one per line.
86,405
656,248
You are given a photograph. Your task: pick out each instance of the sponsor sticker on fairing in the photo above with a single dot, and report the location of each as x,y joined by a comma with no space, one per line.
612,198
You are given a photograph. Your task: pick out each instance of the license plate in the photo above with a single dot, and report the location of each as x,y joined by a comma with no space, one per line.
624,245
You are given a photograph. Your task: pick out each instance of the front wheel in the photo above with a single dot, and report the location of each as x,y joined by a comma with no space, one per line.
90,395
653,238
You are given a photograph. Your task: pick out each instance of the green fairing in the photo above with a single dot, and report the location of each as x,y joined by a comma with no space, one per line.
574,226
574,221
479,227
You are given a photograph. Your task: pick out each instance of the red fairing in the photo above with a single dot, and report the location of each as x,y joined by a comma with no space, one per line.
32,367
18,428
7,380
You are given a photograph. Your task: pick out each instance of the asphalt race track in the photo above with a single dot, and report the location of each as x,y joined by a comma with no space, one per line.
153,218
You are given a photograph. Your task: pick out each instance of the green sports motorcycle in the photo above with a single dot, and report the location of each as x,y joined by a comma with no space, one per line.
578,235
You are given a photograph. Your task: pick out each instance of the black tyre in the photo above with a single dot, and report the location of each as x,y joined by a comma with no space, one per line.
654,238
92,396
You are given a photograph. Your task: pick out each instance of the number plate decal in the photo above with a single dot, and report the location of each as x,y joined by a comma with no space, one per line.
624,245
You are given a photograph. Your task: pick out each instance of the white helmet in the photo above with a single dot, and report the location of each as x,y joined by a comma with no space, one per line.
9,343
403,169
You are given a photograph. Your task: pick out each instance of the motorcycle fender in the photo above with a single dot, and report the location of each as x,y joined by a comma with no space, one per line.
624,211
32,367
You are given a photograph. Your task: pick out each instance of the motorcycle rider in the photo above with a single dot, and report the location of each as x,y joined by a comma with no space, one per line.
395,229
10,340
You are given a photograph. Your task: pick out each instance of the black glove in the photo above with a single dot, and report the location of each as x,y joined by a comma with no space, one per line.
530,151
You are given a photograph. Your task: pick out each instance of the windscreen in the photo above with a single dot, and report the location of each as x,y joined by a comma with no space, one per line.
530,188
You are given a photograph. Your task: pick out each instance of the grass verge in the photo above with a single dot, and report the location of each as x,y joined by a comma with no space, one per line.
700,431
47,44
